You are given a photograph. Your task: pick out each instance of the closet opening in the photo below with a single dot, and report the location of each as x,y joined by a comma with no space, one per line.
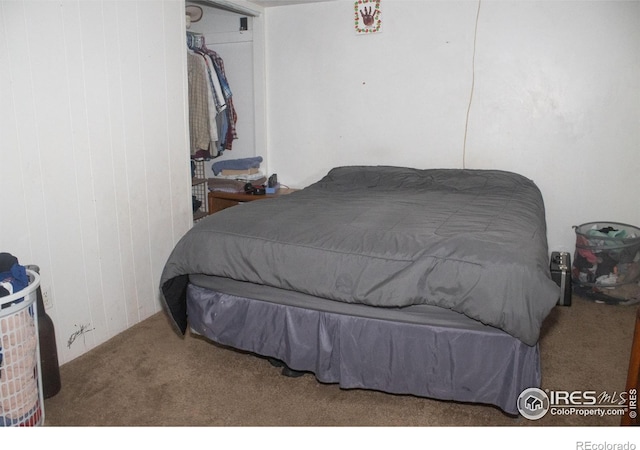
235,34
233,38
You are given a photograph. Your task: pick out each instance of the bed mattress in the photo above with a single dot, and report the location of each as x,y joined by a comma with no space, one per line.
469,241
416,314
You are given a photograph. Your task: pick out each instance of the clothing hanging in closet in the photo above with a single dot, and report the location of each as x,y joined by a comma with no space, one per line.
212,116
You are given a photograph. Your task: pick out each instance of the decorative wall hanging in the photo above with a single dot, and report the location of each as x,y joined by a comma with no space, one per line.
367,16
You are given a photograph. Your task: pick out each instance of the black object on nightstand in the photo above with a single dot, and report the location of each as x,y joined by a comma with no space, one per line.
560,267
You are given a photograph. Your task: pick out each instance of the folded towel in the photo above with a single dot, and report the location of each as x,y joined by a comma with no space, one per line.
237,164
241,172
244,178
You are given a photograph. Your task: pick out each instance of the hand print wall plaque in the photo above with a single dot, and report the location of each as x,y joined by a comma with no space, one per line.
367,16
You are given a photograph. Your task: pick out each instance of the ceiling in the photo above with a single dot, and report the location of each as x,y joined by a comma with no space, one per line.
268,3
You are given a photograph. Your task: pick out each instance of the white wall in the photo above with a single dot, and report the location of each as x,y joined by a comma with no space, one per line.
556,96
94,169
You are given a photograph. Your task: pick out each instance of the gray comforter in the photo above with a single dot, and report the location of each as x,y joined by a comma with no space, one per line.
473,241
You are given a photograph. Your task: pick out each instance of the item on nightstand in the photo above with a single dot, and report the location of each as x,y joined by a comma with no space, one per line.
254,190
272,190
233,186
272,185
243,172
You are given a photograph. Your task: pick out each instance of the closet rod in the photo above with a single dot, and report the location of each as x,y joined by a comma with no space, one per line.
230,6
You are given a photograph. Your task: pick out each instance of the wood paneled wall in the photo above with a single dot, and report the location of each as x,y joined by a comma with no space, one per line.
94,158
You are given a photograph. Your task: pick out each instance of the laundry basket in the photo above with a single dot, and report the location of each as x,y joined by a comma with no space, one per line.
606,263
21,396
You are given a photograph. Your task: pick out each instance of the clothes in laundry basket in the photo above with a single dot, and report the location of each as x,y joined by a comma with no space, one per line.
606,263
13,276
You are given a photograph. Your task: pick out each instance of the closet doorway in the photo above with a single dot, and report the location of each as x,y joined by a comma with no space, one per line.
236,34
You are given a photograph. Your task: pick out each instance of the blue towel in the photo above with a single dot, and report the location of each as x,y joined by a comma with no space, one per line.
237,164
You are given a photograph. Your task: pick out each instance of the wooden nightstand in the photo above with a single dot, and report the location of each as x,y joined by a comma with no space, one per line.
222,200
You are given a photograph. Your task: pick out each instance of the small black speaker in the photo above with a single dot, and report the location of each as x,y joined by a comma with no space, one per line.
560,267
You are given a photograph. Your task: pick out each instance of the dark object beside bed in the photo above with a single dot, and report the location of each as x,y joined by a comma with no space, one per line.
426,282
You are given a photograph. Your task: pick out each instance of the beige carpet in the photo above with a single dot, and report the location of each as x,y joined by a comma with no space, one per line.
150,376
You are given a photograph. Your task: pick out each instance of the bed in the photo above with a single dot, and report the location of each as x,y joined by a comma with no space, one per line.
427,282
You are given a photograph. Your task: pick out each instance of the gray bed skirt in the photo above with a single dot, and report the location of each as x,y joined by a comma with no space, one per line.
474,363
